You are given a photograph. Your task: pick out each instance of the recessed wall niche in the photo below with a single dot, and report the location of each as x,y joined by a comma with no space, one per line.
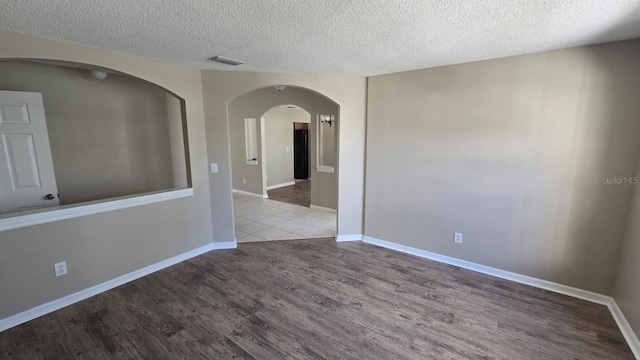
104,135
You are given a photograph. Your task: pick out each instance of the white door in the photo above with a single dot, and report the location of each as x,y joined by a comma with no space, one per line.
27,180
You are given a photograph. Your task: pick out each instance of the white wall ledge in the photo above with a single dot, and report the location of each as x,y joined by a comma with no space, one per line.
57,213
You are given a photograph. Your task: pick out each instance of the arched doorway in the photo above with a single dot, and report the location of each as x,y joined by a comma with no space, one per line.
261,114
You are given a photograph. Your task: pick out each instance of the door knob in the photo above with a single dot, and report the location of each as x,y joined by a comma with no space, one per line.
49,197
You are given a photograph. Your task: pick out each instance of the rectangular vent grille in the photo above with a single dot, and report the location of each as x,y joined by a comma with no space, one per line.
224,60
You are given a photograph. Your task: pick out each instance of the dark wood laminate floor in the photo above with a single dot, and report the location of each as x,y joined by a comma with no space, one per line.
298,194
318,299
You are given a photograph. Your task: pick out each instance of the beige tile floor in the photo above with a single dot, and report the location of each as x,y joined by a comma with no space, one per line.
260,219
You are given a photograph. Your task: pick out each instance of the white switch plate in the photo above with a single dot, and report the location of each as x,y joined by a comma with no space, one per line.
457,238
287,149
244,181
214,168
60,268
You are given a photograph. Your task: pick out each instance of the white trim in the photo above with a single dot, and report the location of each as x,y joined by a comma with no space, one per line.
316,207
264,196
625,328
352,237
523,279
252,162
42,216
281,185
57,304
325,169
225,245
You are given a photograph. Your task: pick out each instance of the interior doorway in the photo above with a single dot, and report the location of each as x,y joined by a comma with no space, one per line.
298,193
287,155
283,164
301,151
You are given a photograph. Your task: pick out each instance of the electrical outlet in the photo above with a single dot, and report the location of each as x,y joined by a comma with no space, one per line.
457,238
214,168
244,181
60,268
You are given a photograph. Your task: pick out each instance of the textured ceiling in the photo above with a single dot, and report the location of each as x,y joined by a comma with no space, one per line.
332,37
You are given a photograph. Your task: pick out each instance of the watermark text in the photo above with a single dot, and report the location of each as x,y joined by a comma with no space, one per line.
620,180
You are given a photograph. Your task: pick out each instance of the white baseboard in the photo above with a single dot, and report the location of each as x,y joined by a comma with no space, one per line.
316,207
281,185
225,245
264,196
57,304
625,328
352,237
507,275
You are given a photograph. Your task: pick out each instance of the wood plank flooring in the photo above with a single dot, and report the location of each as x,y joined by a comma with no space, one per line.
298,194
318,299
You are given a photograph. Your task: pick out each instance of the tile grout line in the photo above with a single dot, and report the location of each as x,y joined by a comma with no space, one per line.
255,209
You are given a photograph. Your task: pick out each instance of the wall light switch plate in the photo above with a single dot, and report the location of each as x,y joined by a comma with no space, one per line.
60,268
214,168
457,238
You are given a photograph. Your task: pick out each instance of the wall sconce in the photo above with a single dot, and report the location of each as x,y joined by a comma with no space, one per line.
327,119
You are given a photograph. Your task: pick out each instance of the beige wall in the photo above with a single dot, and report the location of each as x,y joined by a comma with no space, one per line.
510,152
108,137
279,143
220,87
626,290
101,247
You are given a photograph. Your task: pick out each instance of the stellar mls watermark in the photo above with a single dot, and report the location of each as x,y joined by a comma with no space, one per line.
633,180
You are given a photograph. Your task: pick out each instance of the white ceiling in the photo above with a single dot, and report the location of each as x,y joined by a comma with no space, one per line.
331,37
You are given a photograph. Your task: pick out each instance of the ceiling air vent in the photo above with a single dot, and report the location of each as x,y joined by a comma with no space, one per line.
224,60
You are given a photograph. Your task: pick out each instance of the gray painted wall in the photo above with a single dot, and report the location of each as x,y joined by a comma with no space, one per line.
510,152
